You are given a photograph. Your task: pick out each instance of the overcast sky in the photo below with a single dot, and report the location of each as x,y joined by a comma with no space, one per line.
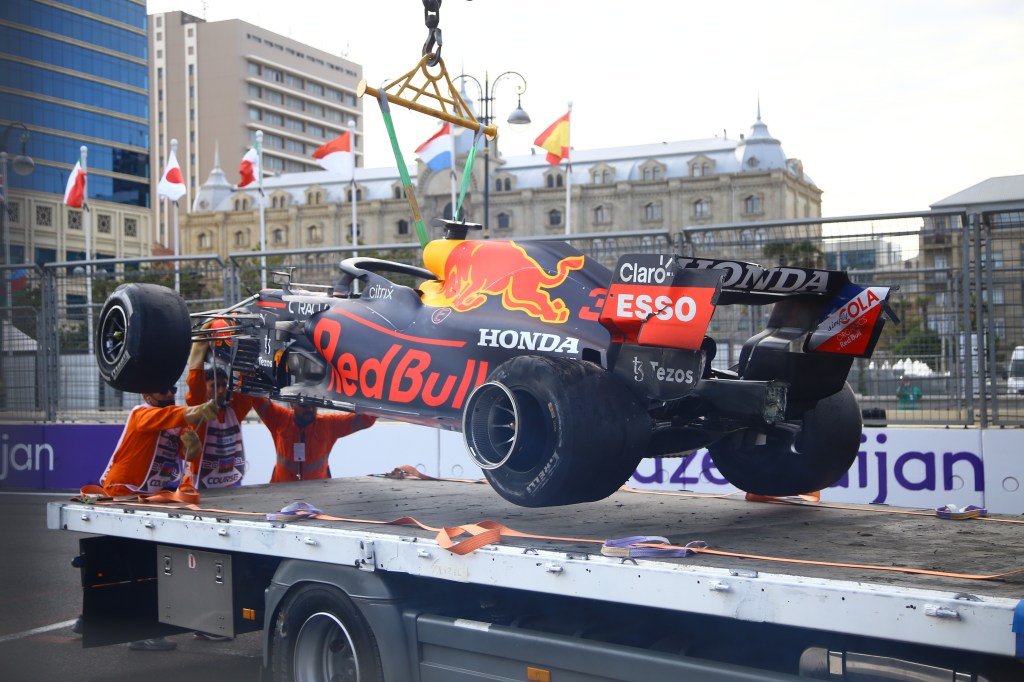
891,105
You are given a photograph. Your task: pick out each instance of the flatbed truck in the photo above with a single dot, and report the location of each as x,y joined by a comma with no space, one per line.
398,578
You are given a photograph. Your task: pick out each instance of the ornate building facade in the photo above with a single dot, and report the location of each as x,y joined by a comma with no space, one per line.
667,186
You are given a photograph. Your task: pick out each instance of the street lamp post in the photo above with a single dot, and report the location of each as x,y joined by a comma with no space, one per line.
517,120
23,165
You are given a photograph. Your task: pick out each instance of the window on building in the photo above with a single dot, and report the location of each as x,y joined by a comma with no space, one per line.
504,221
241,238
554,218
652,211
279,237
204,241
701,208
752,204
651,173
602,215
402,227
314,234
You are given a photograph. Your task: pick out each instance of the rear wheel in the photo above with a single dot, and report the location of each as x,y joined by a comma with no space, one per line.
550,431
143,338
321,636
777,463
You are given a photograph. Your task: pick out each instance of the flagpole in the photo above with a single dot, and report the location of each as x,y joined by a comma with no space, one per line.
177,238
263,224
86,224
568,177
451,150
352,146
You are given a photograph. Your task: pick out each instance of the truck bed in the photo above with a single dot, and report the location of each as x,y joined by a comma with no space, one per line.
941,610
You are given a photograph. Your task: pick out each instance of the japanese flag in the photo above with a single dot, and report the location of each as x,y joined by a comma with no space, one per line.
172,184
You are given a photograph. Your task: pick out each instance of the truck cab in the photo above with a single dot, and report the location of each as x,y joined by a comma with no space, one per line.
1015,372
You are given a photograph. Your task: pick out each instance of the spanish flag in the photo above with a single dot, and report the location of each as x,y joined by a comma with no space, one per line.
555,140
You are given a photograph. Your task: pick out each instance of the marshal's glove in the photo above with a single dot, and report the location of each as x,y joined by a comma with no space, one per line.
197,414
190,439
197,356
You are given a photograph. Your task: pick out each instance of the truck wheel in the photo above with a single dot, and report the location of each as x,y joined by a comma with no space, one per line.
143,338
552,431
321,636
777,464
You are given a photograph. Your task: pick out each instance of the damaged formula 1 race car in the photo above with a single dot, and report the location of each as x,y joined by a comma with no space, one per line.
561,374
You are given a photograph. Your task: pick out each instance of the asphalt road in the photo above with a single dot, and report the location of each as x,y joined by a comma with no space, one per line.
41,596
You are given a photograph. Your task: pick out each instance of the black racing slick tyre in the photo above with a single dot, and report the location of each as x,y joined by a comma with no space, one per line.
551,431
320,636
143,338
776,464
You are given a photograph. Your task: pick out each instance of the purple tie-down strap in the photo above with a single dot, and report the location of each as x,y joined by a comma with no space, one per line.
951,511
629,547
294,511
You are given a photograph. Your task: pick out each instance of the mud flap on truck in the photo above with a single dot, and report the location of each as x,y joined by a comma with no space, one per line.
119,591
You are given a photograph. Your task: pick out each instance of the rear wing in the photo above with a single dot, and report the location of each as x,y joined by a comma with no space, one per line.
663,300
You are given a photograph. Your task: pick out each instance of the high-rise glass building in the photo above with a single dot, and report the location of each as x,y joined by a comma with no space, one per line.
74,73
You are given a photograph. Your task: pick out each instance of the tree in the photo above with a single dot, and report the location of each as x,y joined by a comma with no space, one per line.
802,254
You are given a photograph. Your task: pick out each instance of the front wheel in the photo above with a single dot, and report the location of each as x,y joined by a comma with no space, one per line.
143,338
775,463
321,636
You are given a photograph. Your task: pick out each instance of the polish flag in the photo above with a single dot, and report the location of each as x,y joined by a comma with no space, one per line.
74,192
249,169
337,154
172,184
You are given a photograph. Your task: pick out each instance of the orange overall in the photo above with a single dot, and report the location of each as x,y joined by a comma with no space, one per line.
148,457
310,459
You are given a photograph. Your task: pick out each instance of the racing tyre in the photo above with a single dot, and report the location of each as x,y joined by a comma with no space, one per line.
551,431
777,464
321,636
143,338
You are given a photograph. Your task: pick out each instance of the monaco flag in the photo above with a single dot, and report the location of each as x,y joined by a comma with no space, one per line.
172,184
249,169
74,192
337,154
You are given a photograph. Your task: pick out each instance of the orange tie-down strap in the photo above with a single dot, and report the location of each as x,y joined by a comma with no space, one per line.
490,532
812,500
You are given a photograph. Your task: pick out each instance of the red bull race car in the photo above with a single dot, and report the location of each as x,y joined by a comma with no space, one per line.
560,373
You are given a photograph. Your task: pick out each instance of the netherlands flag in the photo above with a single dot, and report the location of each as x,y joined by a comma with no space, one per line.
437,151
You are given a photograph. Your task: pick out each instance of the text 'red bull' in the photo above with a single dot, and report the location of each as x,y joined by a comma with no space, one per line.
402,375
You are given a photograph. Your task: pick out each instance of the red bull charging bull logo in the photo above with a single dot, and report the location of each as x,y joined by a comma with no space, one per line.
474,270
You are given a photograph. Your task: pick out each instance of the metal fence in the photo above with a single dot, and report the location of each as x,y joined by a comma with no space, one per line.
957,277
